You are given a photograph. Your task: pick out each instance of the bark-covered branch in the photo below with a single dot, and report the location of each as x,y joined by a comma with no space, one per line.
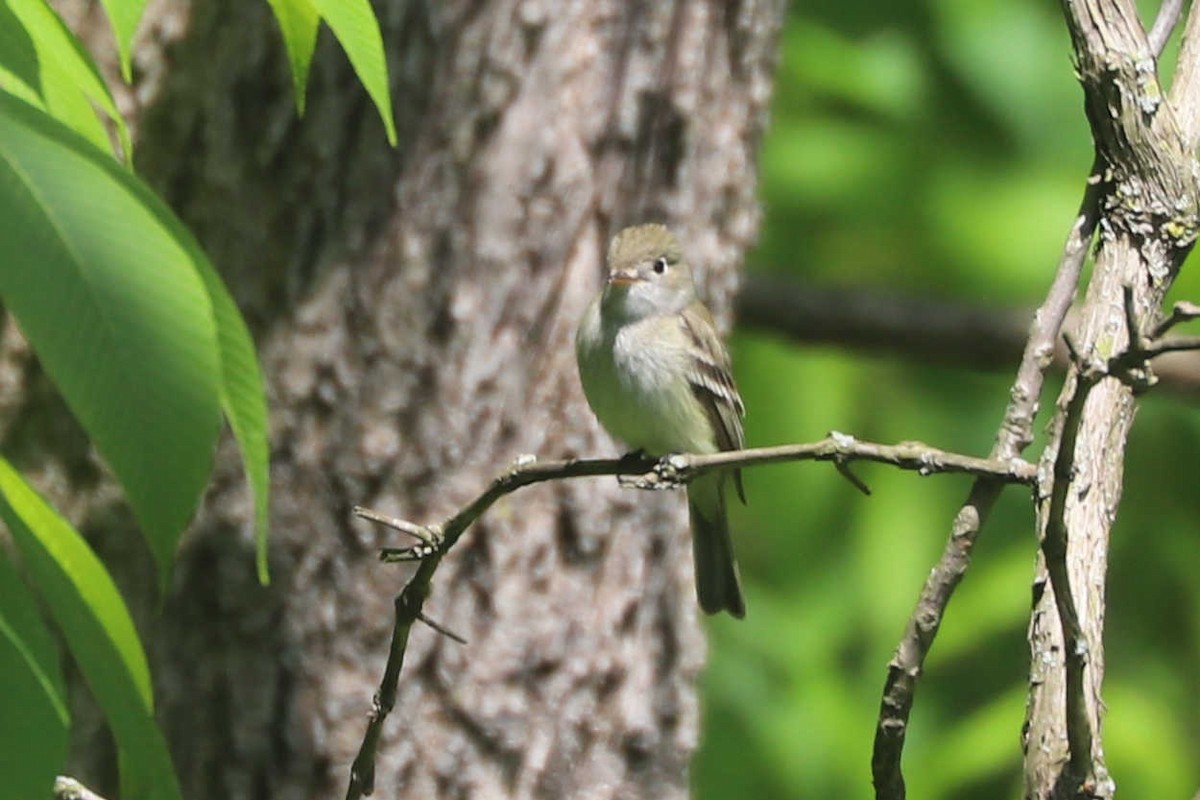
875,321
435,541
927,331
1164,25
1082,728
1148,225
1185,85
1014,435
1127,214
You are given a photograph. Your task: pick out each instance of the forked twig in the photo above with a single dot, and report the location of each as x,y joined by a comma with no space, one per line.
1014,435
435,541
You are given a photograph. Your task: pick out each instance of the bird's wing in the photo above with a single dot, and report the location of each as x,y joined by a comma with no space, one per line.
712,383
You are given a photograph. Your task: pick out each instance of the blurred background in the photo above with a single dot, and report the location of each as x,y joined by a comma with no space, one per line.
933,149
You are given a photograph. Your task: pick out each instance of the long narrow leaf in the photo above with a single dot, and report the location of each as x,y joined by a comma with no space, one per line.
243,398
356,28
94,269
20,71
33,727
63,72
98,630
124,16
298,21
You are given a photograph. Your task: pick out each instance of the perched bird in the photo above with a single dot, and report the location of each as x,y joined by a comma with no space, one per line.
658,378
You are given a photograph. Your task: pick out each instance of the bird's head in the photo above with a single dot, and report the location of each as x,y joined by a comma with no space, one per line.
647,273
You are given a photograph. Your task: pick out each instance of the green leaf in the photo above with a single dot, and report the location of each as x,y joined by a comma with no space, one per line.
19,68
243,398
299,22
66,103
354,24
124,16
98,630
42,52
33,727
10,83
107,291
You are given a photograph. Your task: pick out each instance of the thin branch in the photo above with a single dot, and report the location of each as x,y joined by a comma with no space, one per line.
418,532
1179,344
1149,226
855,481
442,629
674,471
842,449
1080,736
1180,312
1133,364
877,321
1016,431
649,473
1184,96
70,789
1132,330
1014,435
1164,25
926,331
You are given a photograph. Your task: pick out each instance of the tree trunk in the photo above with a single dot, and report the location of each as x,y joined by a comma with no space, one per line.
415,310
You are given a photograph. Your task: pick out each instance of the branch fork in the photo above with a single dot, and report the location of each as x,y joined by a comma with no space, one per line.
637,470
1132,366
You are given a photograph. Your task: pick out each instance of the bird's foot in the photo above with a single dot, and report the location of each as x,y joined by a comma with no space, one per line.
659,475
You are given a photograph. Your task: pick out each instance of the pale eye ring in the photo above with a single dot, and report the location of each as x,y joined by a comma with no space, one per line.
660,265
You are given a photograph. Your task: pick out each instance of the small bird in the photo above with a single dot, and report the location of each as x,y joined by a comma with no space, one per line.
658,378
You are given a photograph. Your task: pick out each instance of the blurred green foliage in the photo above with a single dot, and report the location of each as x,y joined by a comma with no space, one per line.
936,148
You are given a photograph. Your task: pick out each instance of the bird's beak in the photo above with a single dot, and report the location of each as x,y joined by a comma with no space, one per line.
622,278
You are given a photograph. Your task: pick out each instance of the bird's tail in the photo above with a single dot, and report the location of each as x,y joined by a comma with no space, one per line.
718,586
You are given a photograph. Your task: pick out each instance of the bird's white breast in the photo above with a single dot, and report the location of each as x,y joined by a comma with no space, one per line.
636,380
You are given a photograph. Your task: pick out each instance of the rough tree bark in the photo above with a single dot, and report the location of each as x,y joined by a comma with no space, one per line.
415,310
1145,141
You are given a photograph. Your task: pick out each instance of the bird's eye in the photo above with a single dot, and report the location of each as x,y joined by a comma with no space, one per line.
660,265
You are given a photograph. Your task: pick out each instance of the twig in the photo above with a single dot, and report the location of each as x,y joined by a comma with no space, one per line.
442,629
844,470
1184,95
841,449
668,472
70,789
1133,364
1178,344
1080,735
1180,312
981,336
927,331
1014,435
1164,24
1132,330
418,532
673,471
